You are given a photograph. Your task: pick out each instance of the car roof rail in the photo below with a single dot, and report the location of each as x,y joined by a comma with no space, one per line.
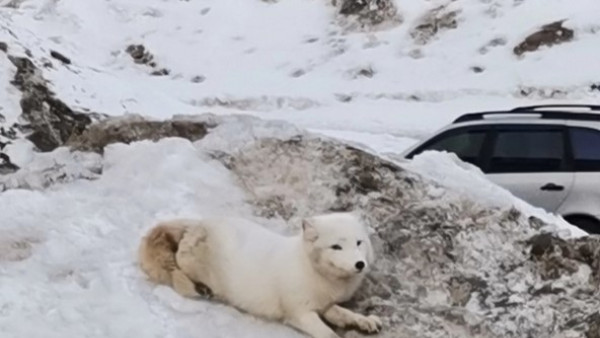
591,107
525,113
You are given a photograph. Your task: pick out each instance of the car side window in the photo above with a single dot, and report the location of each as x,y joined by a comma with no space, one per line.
527,151
465,144
586,149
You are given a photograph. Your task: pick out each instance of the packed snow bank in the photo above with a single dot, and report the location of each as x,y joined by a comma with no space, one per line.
448,265
468,181
68,253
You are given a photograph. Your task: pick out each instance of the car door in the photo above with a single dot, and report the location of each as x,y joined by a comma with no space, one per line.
584,198
531,162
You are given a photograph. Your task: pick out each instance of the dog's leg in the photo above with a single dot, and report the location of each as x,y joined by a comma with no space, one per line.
342,317
311,324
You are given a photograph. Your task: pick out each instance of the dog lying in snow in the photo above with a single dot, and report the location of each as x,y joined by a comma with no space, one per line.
297,280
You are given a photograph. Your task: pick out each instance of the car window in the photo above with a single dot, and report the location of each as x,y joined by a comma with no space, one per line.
525,151
586,149
465,144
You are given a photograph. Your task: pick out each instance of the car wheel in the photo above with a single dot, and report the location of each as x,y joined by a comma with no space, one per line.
589,225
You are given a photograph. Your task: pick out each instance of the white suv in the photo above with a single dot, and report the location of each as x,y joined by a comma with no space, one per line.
548,155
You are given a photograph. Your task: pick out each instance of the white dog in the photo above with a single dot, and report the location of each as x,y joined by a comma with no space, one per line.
291,279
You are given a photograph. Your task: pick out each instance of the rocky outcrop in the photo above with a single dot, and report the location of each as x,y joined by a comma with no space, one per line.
447,266
135,128
433,22
368,13
6,165
549,35
142,56
50,122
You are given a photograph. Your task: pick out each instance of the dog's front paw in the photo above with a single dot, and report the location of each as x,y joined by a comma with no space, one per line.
370,324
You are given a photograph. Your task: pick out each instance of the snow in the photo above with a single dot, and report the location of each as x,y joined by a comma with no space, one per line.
252,57
468,180
67,245
82,274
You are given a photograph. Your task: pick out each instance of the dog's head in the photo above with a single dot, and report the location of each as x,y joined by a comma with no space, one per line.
337,244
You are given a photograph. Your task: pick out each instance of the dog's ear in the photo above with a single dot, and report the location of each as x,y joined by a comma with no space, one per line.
309,231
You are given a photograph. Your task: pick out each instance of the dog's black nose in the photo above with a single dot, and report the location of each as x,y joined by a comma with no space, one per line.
359,265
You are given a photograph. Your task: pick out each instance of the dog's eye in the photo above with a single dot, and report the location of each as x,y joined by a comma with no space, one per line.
358,243
336,247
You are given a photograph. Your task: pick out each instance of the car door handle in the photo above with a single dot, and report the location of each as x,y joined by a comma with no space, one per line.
552,187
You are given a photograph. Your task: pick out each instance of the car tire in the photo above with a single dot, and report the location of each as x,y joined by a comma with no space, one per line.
587,224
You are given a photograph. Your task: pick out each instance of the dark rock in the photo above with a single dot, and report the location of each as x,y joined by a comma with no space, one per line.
353,7
541,244
462,287
10,133
593,322
198,79
298,73
366,72
369,12
435,21
547,289
496,42
60,57
4,47
127,130
549,35
160,72
542,93
50,121
477,69
6,167
343,97
558,257
141,55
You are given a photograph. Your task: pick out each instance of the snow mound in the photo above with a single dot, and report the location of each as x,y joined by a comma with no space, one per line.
469,181
448,265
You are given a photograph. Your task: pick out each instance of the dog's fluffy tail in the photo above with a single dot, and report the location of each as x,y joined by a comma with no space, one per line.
157,257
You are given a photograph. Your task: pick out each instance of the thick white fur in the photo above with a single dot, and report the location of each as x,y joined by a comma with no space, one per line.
297,280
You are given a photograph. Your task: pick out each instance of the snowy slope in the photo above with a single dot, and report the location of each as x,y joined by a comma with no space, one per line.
292,59
67,252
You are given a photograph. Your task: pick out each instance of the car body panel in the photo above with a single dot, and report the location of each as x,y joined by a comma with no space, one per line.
528,187
584,197
580,193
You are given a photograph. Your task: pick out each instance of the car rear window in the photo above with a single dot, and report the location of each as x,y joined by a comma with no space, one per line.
586,149
526,151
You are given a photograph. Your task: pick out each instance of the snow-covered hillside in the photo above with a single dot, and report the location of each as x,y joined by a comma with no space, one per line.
459,257
300,60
